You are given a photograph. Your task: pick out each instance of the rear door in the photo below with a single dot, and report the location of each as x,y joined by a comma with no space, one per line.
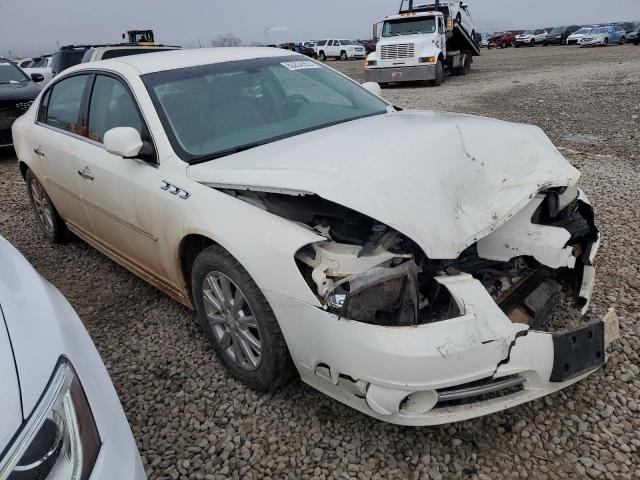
58,145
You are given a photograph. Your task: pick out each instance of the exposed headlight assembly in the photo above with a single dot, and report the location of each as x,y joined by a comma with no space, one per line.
60,439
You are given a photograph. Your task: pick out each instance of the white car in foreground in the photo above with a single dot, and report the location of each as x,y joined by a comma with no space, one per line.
60,417
407,263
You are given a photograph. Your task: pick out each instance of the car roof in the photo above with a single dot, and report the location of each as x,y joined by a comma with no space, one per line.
176,59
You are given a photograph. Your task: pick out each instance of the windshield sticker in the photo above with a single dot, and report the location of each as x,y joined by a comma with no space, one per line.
301,65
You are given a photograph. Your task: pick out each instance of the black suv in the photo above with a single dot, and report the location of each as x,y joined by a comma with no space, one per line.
559,35
634,36
17,93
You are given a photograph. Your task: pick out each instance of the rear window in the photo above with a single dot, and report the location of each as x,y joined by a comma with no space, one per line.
66,58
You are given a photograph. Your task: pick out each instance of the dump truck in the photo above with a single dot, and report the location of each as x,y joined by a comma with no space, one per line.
423,42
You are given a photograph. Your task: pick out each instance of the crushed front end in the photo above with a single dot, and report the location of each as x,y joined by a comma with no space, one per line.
419,341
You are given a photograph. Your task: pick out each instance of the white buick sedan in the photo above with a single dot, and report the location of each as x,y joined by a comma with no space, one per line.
60,417
420,267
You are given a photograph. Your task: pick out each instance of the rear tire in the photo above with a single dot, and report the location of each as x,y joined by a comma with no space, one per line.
238,321
606,42
47,216
439,75
622,41
322,56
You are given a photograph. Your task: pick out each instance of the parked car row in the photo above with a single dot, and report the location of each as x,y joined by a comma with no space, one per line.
19,86
585,35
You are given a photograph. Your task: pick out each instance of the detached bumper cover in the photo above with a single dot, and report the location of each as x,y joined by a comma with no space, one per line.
399,374
400,74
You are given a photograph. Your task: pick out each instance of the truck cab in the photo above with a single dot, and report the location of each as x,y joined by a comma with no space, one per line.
420,46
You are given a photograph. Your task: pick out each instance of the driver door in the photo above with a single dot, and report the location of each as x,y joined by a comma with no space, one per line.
123,199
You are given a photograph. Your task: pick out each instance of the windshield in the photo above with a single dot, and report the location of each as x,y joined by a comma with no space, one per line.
596,31
215,110
9,73
582,31
409,26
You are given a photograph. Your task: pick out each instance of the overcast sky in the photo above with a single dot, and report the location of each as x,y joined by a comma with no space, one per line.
31,26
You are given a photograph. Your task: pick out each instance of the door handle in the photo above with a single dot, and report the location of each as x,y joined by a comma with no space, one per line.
38,151
86,173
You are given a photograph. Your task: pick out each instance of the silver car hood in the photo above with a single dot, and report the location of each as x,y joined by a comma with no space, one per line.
444,180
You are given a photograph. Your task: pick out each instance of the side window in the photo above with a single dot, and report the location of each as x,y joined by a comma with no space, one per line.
44,104
64,102
111,106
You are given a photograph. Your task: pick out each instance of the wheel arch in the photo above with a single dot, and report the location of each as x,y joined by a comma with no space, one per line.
23,169
188,250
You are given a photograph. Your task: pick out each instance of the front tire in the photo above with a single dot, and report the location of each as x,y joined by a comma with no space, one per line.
47,216
343,56
605,43
622,41
238,321
439,75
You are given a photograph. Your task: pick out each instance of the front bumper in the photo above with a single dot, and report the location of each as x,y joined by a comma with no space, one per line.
408,375
118,456
592,43
400,74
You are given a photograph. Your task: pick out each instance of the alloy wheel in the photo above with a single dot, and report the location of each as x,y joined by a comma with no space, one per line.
42,206
232,321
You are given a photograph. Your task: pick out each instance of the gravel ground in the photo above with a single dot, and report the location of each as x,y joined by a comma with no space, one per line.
191,420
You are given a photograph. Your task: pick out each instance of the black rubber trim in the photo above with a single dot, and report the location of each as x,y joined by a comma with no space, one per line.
578,351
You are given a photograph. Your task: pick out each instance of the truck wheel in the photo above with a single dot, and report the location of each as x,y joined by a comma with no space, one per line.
466,68
343,56
439,75
238,321
622,40
322,56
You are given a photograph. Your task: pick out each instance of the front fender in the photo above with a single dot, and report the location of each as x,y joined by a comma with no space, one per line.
263,243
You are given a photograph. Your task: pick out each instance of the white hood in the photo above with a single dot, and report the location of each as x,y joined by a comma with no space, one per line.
444,180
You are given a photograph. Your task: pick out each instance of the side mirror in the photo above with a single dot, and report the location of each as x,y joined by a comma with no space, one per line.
37,77
123,141
373,87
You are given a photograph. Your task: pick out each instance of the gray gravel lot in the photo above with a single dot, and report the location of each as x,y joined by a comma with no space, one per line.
191,420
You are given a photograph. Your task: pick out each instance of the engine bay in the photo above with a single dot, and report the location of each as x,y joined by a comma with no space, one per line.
533,267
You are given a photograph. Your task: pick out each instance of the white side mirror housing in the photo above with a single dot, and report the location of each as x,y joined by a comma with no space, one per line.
123,141
373,87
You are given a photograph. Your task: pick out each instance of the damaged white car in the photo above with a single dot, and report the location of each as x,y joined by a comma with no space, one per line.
421,267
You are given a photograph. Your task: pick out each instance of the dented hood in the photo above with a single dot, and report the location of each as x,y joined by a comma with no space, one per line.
444,180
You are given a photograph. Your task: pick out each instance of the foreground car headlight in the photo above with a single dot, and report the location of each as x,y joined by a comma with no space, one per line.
60,440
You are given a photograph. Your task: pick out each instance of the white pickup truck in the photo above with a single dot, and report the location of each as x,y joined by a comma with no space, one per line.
422,42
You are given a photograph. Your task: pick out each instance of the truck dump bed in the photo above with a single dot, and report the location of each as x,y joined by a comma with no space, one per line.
457,37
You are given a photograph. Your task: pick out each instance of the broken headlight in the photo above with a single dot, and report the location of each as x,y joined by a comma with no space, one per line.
60,439
383,296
